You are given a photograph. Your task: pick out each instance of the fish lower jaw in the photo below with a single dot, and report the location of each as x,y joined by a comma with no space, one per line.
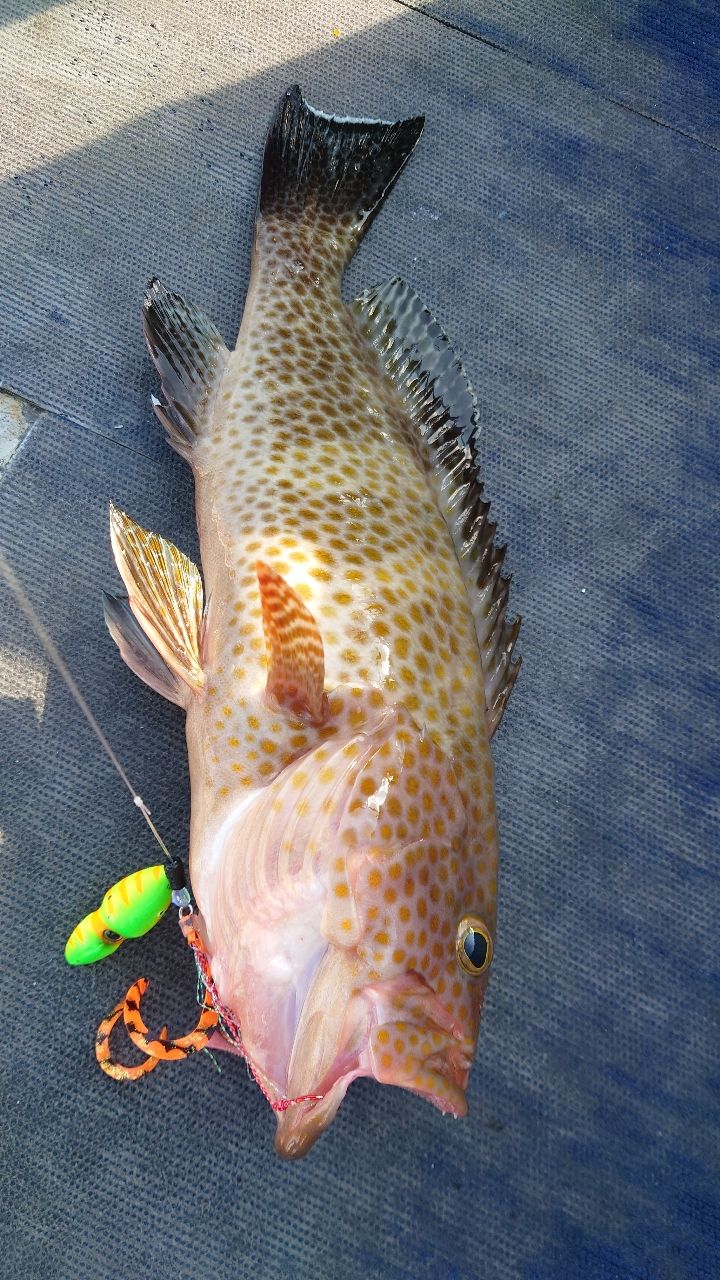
302,1122
305,1118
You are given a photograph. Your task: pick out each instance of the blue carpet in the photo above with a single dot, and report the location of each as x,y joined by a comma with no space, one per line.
570,247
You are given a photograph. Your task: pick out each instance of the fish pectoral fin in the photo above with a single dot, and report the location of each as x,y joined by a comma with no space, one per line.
190,356
296,657
138,651
426,371
165,595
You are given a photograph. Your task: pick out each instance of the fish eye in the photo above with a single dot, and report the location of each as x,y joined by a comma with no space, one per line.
109,936
474,945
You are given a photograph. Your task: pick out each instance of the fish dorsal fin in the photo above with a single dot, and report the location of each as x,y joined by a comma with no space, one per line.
138,651
165,594
296,657
190,357
428,374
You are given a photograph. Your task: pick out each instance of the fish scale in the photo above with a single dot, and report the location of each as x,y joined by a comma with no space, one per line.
353,657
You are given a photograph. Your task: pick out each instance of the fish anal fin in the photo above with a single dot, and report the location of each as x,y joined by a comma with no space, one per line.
296,657
165,594
190,356
138,651
419,359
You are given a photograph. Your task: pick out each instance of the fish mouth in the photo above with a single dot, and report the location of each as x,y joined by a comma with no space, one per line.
302,1122
329,1053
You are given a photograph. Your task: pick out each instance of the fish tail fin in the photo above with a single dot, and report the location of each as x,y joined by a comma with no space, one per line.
330,175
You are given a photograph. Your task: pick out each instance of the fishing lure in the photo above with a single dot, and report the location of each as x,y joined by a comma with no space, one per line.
157,1049
136,903
130,909
119,1070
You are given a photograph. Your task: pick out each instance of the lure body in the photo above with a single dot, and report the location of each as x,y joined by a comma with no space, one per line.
354,659
129,909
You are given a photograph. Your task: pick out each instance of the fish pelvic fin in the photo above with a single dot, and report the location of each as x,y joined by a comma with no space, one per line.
165,595
190,357
296,657
330,174
418,357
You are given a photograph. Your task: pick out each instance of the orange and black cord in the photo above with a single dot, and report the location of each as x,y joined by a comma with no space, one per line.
158,1050
162,1048
117,1070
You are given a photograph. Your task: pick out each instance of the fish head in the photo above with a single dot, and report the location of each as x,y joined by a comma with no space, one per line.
341,910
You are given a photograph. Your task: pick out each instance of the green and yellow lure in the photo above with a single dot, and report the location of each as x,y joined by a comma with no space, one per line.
129,909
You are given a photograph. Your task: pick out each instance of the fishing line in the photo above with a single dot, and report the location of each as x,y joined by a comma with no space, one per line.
43,635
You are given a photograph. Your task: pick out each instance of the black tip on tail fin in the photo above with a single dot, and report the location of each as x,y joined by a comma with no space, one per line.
328,165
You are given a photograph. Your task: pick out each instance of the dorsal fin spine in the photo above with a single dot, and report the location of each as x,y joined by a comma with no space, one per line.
442,407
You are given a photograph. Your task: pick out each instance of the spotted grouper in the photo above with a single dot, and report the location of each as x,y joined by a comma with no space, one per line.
349,657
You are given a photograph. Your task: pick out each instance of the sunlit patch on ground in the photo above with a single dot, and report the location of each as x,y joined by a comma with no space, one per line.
23,677
16,415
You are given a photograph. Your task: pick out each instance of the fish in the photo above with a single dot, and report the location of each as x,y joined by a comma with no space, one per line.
347,653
